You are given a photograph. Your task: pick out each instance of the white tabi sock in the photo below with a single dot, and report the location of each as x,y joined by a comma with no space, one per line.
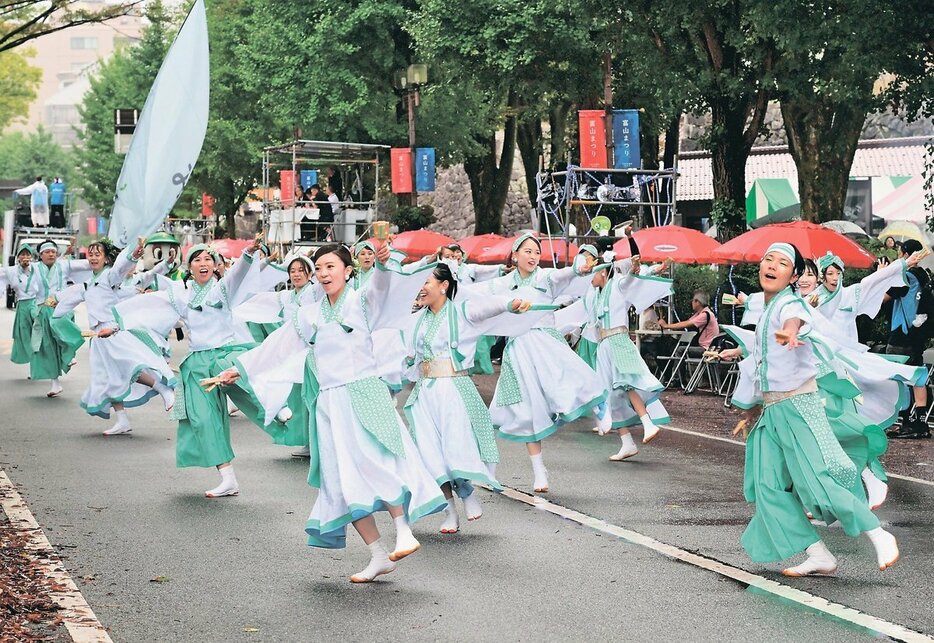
540,483
55,389
122,425
406,543
886,548
472,506
876,490
820,562
228,485
451,523
649,429
604,422
379,564
167,394
627,449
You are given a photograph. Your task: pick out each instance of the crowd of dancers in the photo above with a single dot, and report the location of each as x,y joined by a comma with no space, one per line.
313,349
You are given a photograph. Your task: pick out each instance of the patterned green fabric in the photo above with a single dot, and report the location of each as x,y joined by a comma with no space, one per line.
477,411
145,337
508,390
373,406
431,329
625,355
333,313
178,411
838,464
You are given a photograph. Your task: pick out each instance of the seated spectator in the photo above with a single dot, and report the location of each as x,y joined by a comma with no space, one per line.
703,320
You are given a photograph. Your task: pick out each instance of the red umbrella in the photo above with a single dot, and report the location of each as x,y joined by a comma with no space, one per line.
420,243
476,244
231,248
681,245
812,241
553,251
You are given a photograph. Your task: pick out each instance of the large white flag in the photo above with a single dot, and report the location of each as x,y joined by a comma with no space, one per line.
168,136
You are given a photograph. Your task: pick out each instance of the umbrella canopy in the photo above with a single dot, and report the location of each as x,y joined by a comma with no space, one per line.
476,244
231,248
554,251
767,196
786,214
845,227
906,203
420,243
811,240
681,245
901,230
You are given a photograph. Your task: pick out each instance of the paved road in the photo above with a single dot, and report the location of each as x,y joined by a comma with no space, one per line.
122,514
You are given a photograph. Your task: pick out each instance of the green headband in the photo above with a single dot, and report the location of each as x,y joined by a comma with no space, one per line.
828,260
47,245
784,248
364,245
523,238
26,248
591,249
206,248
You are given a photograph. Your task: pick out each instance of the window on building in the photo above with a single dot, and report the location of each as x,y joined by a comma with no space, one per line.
84,43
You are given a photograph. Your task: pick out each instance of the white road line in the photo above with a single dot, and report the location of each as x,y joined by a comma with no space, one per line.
862,620
743,444
78,617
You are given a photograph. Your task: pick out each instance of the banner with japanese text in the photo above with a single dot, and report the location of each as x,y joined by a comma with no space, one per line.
401,160
626,153
287,188
425,169
592,138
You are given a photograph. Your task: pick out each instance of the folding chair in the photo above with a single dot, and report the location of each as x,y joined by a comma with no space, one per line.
674,362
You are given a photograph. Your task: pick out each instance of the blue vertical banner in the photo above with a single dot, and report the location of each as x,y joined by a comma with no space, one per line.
308,178
626,154
425,169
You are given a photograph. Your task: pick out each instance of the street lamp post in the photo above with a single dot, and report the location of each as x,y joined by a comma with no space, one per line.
408,81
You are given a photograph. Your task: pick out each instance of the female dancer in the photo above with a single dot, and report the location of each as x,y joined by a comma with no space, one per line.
126,368
858,416
59,339
543,384
791,445
363,459
203,302
272,309
24,279
448,419
633,389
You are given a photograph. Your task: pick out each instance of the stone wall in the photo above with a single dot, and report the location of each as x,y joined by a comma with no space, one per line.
453,206
885,124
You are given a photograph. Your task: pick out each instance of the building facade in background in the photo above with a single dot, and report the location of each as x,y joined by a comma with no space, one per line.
67,59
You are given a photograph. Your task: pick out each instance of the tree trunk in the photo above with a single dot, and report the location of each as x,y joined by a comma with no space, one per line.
529,138
489,182
672,141
729,150
558,124
822,139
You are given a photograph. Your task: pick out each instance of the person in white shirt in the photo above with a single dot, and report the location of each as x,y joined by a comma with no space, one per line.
38,195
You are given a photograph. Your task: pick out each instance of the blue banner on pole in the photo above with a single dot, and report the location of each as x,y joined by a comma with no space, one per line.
626,155
308,178
425,169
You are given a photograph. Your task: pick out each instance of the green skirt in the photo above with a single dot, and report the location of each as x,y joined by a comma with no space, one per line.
791,453
293,433
587,350
203,438
262,331
483,363
26,311
55,342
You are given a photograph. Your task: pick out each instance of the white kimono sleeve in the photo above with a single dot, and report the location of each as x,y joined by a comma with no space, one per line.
643,292
69,299
869,293
274,367
263,308
152,312
390,295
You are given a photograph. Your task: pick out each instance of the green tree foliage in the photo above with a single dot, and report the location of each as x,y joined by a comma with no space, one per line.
123,82
24,20
23,157
829,56
18,83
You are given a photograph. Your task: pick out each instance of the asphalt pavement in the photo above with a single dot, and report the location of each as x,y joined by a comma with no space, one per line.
158,562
